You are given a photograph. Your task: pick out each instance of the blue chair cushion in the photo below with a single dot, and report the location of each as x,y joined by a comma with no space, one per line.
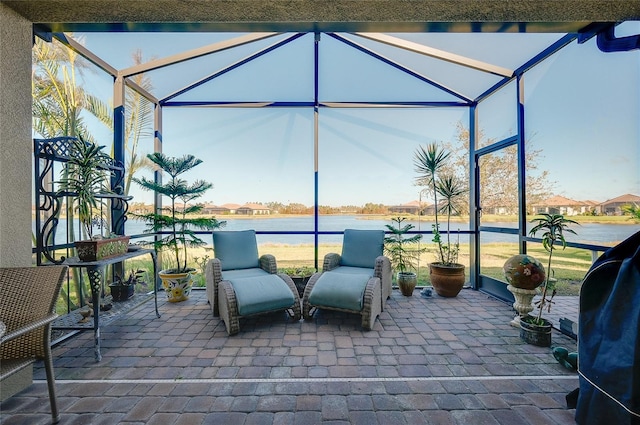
236,249
262,293
360,248
340,290
242,273
369,271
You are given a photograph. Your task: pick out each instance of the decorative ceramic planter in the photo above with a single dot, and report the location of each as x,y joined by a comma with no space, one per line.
534,334
447,280
407,282
100,249
522,303
177,286
523,271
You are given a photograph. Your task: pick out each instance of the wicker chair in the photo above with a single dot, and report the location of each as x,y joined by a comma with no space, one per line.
27,308
358,281
241,284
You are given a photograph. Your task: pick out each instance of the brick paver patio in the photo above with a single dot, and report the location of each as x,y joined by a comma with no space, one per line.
427,361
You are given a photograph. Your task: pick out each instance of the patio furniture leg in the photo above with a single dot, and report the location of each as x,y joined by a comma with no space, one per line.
297,313
307,309
51,379
96,274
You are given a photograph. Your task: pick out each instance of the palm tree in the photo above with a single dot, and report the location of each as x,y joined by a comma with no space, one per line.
58,103
553,226
633,210
430,164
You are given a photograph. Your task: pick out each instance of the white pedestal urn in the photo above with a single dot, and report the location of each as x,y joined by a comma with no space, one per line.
524,274
522,303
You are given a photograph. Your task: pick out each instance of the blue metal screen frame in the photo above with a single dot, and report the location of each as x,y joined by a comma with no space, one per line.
477,281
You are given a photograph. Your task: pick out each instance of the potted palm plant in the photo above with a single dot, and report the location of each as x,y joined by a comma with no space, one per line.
179,221
403,254
446,274
85,181
536,330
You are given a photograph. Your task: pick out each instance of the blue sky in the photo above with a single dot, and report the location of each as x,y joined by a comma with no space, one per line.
582,109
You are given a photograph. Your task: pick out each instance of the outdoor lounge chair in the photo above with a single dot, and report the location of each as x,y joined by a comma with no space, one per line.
27,308
358,281
241,284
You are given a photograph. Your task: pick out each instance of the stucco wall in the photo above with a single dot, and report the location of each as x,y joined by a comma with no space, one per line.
15,139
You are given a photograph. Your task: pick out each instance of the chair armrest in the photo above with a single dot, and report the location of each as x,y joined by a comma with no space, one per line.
28,328
213,271
213,276
331,261
383,271
383,268
268,264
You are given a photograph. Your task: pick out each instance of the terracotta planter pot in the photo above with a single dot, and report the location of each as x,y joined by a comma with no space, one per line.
407,282
447,280
535,334
100,249
177,286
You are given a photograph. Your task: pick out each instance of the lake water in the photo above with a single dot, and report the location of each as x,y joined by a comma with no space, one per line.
589,233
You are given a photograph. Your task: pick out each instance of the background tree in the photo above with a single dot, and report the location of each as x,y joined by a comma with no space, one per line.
138,121
499,172
58,105
633,210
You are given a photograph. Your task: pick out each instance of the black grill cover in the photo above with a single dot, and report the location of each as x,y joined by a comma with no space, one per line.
609,338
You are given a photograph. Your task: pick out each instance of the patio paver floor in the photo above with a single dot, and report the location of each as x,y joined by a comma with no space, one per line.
428,361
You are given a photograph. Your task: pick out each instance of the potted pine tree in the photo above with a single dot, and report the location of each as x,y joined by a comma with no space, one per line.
403,254
179,220
446,274
536,330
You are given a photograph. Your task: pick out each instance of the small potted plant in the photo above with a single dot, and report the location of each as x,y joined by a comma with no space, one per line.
179,220
123,289
85,181
536,330
300,276
403,254
446,274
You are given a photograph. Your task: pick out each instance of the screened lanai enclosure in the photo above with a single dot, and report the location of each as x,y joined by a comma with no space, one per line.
316,132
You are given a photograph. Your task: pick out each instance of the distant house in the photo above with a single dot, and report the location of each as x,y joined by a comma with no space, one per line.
614,206
412,207
561,205
219,210
253,209
230,208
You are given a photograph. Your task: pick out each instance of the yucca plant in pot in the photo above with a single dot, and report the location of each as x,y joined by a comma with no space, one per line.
446,274
403,253
536,330
179,221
